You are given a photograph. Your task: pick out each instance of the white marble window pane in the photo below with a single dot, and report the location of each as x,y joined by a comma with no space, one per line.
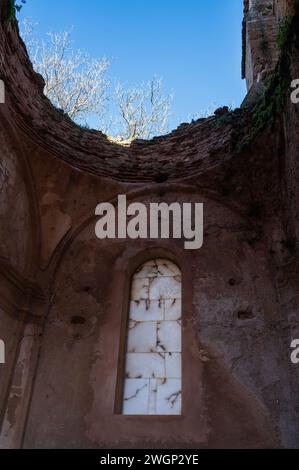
165,288
169,336
136,394
169,397
145,365
142,337
153,360
157,268
147,270
152,403
173,309
173,364
140,289
167,268
147,310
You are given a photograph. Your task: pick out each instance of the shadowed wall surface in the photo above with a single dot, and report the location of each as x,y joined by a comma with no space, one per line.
64,295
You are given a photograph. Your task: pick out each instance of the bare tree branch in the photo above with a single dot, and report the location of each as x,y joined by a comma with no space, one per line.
79,85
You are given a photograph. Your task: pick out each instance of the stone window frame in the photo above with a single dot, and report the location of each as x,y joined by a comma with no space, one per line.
183,260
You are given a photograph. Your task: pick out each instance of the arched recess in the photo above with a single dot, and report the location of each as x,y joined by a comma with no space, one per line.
153,371
134,195
89,316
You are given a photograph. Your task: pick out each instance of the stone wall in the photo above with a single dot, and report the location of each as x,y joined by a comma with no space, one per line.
283,8
64,294
262,19
260,53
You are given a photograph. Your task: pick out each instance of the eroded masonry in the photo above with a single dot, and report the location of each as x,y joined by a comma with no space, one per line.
141,343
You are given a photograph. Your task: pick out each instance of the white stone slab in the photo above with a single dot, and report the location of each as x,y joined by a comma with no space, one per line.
165,288
169,336
173,364
152,402
157,268
153,360
173,309
142,337
149,269
169,397
145,365
147,310
140,289
167,268
136,394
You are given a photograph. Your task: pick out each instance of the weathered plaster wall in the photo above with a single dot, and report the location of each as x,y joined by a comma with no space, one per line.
231,294
283,8
64,294
15,221
260,31
287,279
10,334
18,248
262,20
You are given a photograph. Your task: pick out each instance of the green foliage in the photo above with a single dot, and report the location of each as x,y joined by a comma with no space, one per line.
285,32
13,8
272,103
288,30
277,87
268,109
11,15
223,120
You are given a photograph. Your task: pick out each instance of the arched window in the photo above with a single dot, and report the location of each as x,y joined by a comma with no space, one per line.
152,384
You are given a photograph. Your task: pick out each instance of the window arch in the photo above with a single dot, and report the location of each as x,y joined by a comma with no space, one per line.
152,383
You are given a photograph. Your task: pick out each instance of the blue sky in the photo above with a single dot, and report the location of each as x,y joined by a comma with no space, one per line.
195,45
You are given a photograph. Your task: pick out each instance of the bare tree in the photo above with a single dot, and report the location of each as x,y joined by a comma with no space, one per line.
75,82
79,85
143,112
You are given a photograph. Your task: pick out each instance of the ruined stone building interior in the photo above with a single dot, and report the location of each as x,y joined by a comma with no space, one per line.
140,343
